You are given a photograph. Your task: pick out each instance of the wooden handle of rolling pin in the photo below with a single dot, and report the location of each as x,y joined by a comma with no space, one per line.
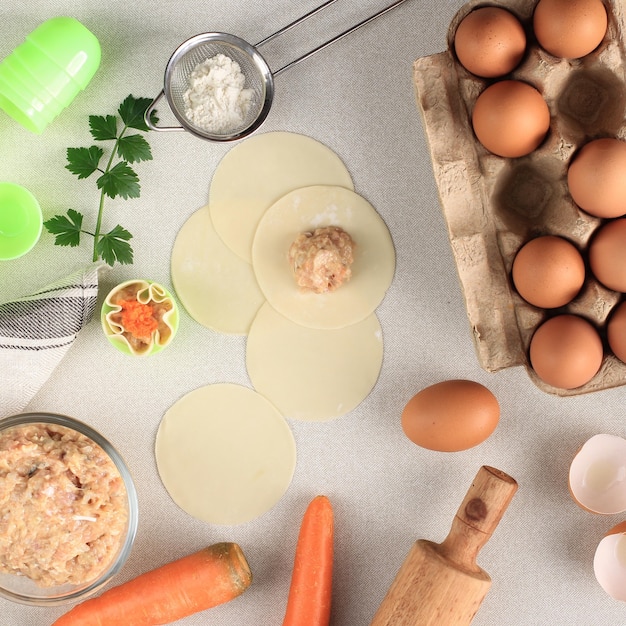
441,584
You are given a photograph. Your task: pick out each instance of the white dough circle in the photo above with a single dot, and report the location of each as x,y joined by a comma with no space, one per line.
305,210
311,374
225,454
260,170
216,287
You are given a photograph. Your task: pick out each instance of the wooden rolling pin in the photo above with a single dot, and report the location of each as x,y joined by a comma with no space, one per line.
441,584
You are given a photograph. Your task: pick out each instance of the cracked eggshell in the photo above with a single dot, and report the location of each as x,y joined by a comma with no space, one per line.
609,562
597,476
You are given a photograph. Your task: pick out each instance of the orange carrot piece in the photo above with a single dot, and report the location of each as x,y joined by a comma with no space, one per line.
138,318
310,593
202,580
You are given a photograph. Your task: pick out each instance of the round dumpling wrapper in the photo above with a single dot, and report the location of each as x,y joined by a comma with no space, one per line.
260,170
304,210
225,454
216,287
311,374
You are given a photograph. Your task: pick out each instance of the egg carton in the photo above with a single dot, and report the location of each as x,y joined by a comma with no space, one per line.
492,205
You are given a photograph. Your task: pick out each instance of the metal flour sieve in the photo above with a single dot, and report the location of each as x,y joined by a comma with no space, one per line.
259,76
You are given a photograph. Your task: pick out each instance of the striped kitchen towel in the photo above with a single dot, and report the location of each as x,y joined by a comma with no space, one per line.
36,332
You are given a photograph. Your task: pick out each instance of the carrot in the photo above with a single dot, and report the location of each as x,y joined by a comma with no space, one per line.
194,583
309,599
138,318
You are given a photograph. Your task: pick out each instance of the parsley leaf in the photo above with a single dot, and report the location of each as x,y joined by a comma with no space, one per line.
120,180
116,179
83,162
66,229
134,148
132,112
103,127
113,246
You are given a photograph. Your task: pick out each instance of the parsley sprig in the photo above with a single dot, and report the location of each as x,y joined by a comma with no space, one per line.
116,179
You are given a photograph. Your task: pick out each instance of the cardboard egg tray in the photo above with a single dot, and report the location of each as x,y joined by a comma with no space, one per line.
492,205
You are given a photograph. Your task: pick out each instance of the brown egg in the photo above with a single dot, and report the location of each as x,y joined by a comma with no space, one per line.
596,178
548,271
566,351
616,331
490,42
450,416
570,28
510,118
607,255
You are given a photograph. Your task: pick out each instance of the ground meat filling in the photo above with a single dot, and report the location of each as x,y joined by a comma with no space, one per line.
63,505
322,259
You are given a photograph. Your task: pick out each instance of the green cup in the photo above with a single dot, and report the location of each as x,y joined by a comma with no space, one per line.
25,95
40,74
15,100
21,221
44,74
69,44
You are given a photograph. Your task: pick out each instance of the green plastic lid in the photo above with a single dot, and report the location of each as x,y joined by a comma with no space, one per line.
44,74
28,93
41,73
28,111
72,46
21,221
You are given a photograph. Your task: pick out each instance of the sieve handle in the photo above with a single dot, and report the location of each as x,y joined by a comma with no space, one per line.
148,115
324,45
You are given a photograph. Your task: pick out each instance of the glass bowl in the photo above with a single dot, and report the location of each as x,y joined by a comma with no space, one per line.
57,509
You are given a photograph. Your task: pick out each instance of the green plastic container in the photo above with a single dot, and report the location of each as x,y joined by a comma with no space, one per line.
44,74
21,221
41,74
41,103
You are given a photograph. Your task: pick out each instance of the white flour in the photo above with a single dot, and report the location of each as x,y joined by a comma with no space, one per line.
217,100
